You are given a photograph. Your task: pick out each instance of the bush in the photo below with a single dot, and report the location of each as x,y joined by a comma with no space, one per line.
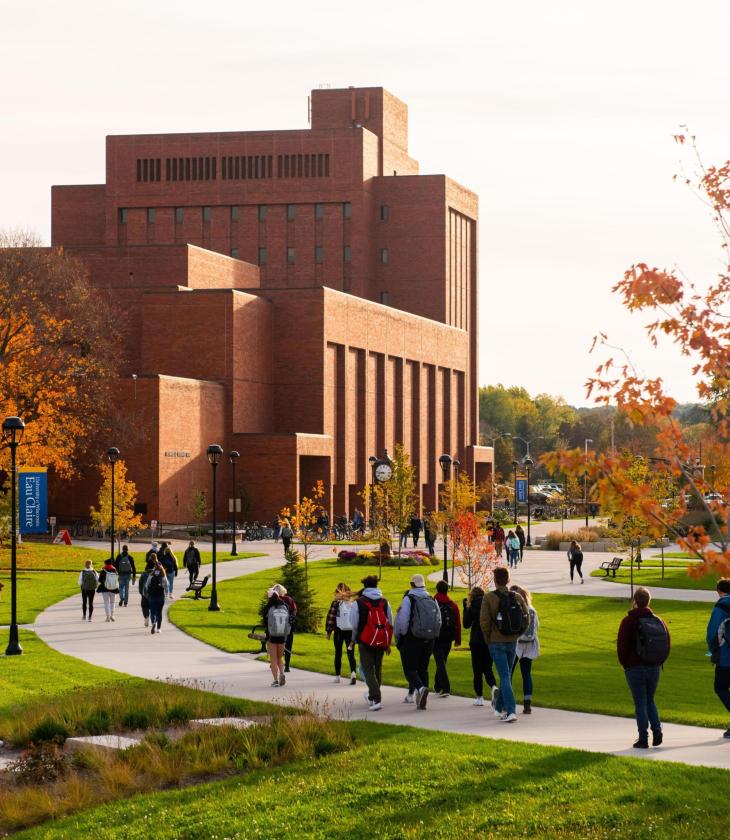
97,723
178,714
48,731
136,719
39,765
375,558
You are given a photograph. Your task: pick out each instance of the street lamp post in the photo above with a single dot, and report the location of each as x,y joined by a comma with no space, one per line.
112,455
528,442
13,428
233,457
515,464
446,462
372,460
214,453
528,462
585,480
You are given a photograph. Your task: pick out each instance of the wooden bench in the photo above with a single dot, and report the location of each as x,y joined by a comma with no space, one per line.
612,565
258,635
197,587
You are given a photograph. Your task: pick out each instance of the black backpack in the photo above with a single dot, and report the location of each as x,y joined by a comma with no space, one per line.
155,585
448,626
511,621
722,637
652,640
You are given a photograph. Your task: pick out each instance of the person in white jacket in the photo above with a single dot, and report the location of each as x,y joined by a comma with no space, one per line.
88,581
528,649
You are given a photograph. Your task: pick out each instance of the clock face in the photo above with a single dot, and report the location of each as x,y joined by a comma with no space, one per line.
383,473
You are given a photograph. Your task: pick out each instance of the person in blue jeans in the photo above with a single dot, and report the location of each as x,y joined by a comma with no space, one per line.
503,617
642,675
718,637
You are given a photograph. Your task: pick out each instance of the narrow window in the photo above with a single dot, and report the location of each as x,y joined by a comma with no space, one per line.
145,164
235,213
150,215
123,214
347,210
319,254
207,169
256,159
347,254
200,168
291,212
237,160
306,166
263,256
319,211
178,215
291,256
224,171
207,214
270,166
384,256
279,166
213,165
249,170
385,298
326,165
174,169
384,212
139,169
187,169
286,165
234,253
262,212
158,171
168,169
195,169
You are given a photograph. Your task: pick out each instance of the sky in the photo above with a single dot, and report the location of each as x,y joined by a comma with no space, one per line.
559,115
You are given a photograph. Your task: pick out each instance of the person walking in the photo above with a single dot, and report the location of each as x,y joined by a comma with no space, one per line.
718,642
575,558
372,621
429,535
278,621
153,554
339,623
498,538
512,545
416,526
142,586
481,659
156,590
109,587
191,561
503,619
88,581
276,527
520,534
449,634
124,564
417,626
643,645
169,564
286,536
528,649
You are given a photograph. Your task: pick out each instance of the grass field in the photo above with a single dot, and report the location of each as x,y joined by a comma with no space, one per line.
577,670
675,576
399,782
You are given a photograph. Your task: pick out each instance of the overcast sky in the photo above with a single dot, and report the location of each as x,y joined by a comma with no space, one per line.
560,115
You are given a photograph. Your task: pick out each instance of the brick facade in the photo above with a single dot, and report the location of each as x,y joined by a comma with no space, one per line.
303,296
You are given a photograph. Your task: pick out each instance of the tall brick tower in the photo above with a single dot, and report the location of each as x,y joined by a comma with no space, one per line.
303,296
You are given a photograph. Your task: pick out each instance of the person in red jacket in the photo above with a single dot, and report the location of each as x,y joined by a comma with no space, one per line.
450,634
643,646
498,538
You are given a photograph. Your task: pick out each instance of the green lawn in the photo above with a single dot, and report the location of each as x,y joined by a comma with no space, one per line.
36,591
44,556
578,669
399,782
675,576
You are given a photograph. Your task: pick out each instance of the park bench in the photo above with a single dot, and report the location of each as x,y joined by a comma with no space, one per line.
197,587
612,565
257,634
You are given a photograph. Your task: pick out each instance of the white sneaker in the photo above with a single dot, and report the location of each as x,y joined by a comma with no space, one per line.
337,678
508,718
353,678
444,694
376,707
408,698
497,714
478,702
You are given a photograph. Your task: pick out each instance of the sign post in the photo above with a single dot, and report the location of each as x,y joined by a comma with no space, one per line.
33,505
521,489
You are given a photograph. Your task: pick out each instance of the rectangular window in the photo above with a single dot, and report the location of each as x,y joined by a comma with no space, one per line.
150,215
347,210
123,215
319,254
234,253
168,169
139,169
235,213
207,214
291,256
263,256
178,215
195,169
174,169
384,212
319,211
291,212
158,172
262,212
384,256
347,254
385,298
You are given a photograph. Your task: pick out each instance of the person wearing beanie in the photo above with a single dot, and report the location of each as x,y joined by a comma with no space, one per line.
417,626
339,623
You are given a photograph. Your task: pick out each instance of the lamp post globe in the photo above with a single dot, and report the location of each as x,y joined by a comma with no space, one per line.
13,428
528,463
112,455
445,461
214,453
233,457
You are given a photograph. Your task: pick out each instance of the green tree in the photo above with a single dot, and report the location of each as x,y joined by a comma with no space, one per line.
198,508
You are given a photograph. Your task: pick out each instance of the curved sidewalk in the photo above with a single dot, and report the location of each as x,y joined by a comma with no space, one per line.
177,656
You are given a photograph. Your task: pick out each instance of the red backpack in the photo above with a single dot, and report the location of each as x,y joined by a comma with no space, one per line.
376,633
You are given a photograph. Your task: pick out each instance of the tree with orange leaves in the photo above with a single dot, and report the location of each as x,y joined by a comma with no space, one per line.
474,556
698,322
303,519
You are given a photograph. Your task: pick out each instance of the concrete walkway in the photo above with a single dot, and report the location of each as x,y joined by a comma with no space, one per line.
128,646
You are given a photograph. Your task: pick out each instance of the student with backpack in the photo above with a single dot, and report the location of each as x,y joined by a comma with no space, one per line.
124,564
481,659
528,649
169,563
191,561
417,627
512,544
156,589
718,642
88,581
286,536
503,618
520,534
339,622
575,558
372,632
142,586
109,587
449,634
643,646
277,616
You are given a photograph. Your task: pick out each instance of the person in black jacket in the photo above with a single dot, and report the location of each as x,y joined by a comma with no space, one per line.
415,530
191,561
481,660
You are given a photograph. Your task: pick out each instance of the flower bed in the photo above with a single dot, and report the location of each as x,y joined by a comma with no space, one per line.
376,558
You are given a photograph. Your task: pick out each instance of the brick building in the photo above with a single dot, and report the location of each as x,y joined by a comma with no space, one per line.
305,297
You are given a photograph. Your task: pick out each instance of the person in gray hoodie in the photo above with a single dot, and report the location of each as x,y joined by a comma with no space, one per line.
372,622
415,651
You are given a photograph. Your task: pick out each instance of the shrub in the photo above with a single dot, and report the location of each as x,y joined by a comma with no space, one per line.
40,764
48,731
178,714
97,723
136,719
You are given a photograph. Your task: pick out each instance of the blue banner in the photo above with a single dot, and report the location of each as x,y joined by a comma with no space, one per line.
33,504
521,489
